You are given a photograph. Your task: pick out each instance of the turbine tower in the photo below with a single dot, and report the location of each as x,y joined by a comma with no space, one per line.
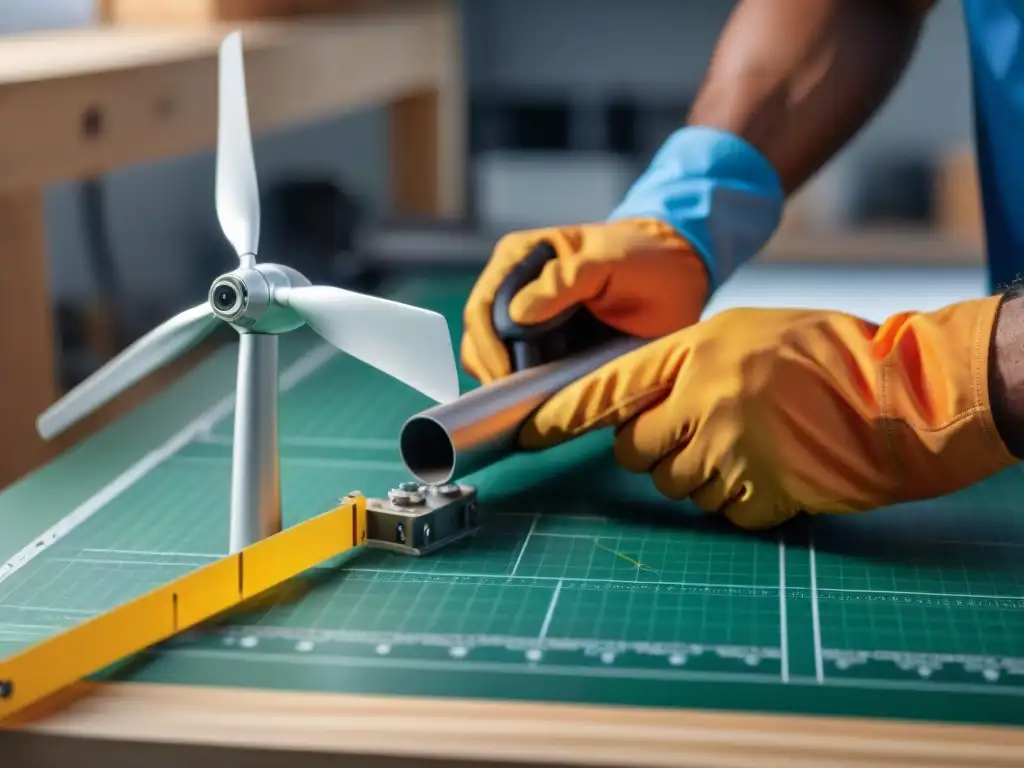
261,301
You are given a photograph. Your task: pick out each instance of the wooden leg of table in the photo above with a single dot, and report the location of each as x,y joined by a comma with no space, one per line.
27,338
428,133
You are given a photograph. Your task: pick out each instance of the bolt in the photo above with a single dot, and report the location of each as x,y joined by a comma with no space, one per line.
403,498
400,533
449,490
409,487
426,532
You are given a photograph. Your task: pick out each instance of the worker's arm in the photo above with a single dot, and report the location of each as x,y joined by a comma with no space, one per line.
789,83
1006,372
798,78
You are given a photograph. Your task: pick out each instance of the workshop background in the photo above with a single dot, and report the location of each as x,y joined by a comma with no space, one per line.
566,102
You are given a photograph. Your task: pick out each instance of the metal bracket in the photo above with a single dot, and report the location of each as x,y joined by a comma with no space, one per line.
419,519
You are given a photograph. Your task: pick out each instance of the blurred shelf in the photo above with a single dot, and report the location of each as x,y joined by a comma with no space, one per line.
895,246
76,103
399,242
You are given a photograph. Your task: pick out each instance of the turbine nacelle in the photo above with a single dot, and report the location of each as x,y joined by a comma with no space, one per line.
251,298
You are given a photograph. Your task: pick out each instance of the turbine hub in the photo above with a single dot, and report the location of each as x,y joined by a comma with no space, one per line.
245,298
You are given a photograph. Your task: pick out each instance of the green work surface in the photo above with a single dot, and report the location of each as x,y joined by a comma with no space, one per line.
915,612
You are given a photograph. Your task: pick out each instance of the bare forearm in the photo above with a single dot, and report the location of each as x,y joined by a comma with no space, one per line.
1006,372
797,78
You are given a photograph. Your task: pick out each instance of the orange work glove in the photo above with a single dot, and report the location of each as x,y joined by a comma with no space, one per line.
637,276
762,413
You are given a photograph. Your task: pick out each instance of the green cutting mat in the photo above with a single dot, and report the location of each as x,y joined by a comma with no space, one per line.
910,612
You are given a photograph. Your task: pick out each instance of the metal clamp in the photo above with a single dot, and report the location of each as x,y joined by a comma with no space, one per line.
417,519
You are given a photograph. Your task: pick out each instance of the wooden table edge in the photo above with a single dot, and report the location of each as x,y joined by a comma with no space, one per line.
462,731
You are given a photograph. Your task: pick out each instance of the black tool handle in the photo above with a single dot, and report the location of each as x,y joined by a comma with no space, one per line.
574,330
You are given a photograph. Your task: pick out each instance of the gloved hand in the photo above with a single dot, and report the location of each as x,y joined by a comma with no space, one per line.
762,413
706,204
637,276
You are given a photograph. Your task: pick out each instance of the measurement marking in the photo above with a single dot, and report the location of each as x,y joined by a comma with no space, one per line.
819,665
299,370
526,543
105,561
498,576
783,623
962,595
75,611
578,643
471,639
463,665
551,612
153,553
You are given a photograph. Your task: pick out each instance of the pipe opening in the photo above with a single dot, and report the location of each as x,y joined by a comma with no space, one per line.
427,451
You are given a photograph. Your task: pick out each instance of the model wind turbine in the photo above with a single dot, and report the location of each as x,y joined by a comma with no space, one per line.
262,301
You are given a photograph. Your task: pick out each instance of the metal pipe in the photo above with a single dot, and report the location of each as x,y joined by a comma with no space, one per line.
452,440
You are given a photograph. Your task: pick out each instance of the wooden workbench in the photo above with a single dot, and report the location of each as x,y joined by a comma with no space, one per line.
171,726
75,104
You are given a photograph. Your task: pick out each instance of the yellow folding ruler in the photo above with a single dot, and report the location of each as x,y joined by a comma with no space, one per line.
413,520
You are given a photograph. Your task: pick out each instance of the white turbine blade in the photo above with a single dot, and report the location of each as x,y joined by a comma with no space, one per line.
238,202
155,349
408,343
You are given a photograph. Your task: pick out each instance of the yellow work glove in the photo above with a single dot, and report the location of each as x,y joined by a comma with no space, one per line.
637,276
763,413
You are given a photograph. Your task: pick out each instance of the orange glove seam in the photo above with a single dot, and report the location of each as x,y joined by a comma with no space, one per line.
633,400
980,411
888,422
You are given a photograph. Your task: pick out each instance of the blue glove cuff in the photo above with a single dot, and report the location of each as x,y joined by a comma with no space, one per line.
716,190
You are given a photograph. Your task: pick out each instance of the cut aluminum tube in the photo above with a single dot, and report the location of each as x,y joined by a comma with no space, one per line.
452,440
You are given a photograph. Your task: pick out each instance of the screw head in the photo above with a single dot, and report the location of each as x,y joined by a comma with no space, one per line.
401,498
449,490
